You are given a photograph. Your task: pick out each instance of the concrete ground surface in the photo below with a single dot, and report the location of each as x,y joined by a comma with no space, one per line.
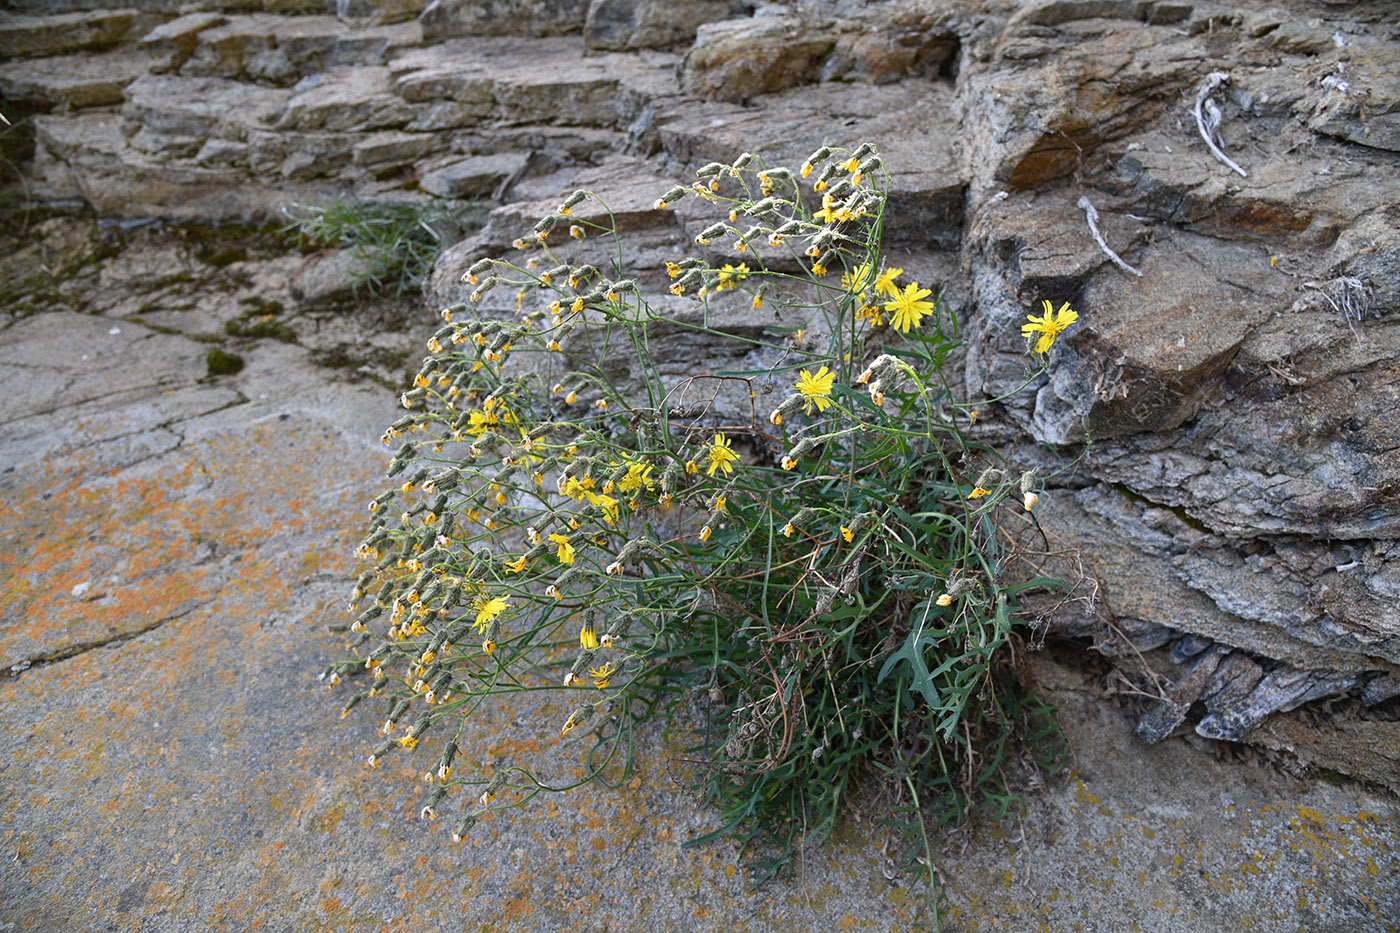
174,545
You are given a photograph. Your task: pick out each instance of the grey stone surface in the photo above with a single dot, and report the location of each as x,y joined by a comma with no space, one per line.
619,25
172,43
475,176
26,36
70,82
446,19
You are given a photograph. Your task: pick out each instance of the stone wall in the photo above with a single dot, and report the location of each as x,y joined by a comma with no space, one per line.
1234,525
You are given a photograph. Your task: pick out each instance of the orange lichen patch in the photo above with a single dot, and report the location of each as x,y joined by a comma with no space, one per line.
104,561
107,556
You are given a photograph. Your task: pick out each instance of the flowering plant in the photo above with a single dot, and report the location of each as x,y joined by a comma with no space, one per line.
825,571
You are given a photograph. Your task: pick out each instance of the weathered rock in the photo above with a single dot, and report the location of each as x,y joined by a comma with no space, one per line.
62,33
181,106
447,19
327,278
342,100
70,82
736,60
1153,566
285,49
618,25
1045,108
908,42
504,80
171,44
475,176
89,157
389,151
378,12
1356,94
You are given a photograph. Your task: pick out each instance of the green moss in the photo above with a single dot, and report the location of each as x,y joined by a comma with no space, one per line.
264,326
223,363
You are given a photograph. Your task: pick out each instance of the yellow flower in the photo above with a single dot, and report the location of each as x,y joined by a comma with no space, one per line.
607,503
721,456
602,675
884,282
871,313
576,488
908,310
588,638
858,278
566,550
816,389
706,532
729,275
818,269
828,212
944,600
517,565
978,493
638,478
1049,326
488,609
577,718
848,534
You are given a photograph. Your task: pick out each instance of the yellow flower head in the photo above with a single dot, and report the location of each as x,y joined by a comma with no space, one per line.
566,550
858,278
1050,325
908,310
488,609
729,275
638,478
517,565
872,313
816,389
588,638
602,675
721,456
884,284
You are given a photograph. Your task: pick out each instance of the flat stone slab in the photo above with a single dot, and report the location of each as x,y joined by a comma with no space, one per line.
71,82
283,49
474,176
61,33
465,82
